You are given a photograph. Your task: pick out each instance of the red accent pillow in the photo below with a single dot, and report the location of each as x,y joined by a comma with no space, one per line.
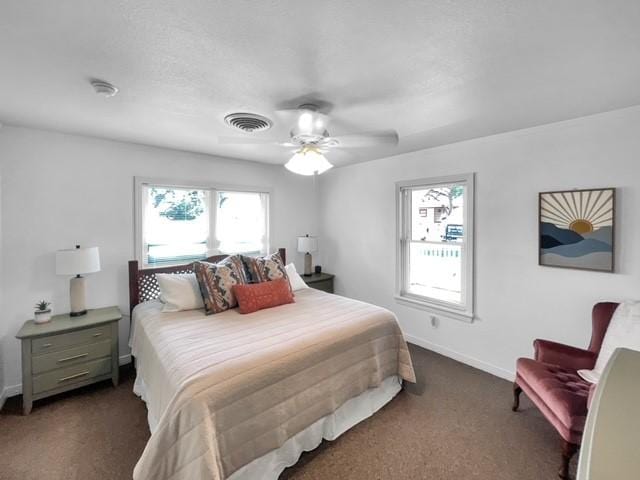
257,296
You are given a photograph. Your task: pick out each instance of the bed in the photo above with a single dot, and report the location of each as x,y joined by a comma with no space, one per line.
232,396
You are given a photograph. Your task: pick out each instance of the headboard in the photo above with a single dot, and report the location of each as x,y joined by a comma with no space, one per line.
143,285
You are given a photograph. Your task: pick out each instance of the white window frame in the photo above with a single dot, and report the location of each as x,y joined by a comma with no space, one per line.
465,310
213,188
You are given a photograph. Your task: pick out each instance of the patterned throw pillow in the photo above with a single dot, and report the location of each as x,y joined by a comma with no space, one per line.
238,262
264,269
216,282
257,296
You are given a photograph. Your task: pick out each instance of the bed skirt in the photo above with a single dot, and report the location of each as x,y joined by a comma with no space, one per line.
330,427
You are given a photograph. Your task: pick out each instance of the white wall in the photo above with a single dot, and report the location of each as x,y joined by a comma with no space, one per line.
60,190
2,323
516,300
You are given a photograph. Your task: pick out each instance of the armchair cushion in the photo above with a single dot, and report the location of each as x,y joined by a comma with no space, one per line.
559,393
564,355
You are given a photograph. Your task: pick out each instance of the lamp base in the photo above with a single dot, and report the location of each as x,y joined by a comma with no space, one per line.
77,290
307,265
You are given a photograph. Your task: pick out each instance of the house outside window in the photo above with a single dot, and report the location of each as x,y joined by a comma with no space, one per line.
435,252
438,212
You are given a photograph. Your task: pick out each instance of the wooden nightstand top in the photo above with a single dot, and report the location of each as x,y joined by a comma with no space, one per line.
317,277
67,323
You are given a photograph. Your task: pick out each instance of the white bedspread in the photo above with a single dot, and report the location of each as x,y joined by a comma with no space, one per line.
223,390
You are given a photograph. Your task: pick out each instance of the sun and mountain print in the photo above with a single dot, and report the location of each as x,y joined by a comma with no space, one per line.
576,229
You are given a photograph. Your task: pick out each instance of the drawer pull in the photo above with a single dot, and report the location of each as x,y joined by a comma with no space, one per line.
46,345
74,357
71,377
97,334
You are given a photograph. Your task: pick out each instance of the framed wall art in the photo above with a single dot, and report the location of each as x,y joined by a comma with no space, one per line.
577,229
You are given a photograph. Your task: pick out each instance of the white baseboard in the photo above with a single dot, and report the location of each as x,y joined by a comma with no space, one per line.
125,359
460,357
10,391
14,390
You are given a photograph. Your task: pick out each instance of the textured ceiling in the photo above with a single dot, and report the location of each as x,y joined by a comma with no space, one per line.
437,71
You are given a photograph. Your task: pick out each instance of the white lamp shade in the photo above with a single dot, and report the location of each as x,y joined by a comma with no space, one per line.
77,261
307,244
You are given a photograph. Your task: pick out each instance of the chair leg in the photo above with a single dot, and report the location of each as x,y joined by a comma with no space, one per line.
516,397
568,451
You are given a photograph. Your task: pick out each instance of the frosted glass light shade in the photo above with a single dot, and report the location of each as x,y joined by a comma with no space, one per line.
308,161
77,261
307,244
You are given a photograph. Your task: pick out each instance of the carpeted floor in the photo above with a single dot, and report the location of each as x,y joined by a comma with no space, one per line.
455,423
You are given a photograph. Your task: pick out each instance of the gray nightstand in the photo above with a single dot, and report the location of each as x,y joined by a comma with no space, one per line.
320,281
68,352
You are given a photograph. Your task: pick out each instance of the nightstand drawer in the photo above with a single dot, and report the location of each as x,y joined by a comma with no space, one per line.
70,375
65,340
71,356
324,285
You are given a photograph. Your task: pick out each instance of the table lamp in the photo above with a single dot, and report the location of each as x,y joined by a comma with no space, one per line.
307,245
76,262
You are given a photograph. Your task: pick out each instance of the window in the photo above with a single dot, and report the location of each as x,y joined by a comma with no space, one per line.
179,224
435,251
241,222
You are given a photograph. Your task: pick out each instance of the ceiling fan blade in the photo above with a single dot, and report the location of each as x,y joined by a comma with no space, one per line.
340,157
246,141
368,139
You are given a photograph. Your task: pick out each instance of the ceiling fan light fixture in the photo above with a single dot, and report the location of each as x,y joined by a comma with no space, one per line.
308,161
305,122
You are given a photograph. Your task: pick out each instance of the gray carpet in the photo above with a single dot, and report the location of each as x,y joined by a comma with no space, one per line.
455,423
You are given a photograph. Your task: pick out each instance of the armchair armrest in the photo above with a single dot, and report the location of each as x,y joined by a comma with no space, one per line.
564,355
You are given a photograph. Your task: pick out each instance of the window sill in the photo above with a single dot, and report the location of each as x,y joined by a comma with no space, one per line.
435,309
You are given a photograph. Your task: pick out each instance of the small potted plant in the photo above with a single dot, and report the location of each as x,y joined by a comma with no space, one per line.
43,312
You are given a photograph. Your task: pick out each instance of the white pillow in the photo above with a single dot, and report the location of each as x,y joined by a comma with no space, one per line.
295,280
623,331
179,291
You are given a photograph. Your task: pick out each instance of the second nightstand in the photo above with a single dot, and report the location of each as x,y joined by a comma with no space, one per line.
320,281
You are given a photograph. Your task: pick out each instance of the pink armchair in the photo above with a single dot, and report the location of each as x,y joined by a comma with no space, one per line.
552,383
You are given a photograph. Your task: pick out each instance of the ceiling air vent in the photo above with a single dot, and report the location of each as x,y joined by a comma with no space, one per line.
248,122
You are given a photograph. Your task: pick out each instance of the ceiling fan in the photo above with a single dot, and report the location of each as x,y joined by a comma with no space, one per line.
310,139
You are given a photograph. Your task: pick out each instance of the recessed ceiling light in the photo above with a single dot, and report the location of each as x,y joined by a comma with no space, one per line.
104,88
